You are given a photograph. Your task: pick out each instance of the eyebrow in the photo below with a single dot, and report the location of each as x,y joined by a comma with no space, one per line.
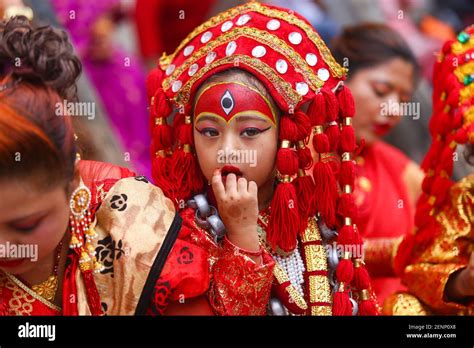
208,118
250,118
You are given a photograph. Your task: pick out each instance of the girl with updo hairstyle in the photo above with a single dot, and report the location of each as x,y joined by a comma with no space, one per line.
383,73
77,226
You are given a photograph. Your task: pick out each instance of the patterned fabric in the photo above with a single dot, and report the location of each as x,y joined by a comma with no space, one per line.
133,218
426,278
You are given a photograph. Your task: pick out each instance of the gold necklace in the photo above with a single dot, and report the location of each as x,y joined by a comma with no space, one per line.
49,287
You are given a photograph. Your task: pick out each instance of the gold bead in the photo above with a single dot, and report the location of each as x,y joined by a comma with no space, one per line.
187,148
285,144
364,295
318,130
348,121
286,179
347,189
159,121
187,119
347,221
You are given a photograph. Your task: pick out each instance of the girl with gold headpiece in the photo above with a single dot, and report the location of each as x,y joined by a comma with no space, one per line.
436,261
246,92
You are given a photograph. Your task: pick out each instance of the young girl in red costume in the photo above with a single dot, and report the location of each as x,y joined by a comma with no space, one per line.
436,261
259,236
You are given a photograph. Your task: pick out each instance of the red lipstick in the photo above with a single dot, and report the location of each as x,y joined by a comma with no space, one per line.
11,263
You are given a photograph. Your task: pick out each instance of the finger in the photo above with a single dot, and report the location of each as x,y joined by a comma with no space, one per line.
253,189
217,185
231,184
242,185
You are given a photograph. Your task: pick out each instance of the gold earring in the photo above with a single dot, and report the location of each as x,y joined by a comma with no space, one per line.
82,234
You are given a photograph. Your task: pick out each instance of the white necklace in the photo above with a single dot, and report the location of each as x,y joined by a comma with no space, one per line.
294,267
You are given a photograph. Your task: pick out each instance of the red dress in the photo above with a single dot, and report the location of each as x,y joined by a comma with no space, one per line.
385,212
202,277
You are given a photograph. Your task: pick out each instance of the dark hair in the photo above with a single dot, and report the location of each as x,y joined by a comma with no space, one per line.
38,70
370,44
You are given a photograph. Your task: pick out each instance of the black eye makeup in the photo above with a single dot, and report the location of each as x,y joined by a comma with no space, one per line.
27,226
208,132
251,132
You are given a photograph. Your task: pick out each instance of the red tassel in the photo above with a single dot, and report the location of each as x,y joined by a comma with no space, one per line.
153,82
346,236
325,192
427,183
361,277
367,307
305,159
188,176
93,297
317,110
422,213
303,124
284,218
443,123
288,129
332,133
346,206
287,161
341,304
185,134
461,136
331,105
347,173
321,143
440,189
345,271
348,140
160,175
404,254
304,187
346,103
162,137
433,155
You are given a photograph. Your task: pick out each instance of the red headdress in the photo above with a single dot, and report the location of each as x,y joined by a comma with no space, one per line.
452,123
287,55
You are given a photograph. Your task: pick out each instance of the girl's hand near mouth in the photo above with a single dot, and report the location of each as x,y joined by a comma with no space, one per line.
237,202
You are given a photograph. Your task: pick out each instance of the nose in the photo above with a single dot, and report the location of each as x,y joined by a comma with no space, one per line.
230,146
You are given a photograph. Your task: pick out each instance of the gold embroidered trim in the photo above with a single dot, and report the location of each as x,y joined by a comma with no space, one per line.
335,68
278,45
311,233
466,93
319,289
321,310
315,258
463,70
283,88
20,286
281,276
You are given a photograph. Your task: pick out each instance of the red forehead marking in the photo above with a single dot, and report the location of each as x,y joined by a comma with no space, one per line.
230,99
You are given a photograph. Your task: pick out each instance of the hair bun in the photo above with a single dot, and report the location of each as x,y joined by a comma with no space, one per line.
39,55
